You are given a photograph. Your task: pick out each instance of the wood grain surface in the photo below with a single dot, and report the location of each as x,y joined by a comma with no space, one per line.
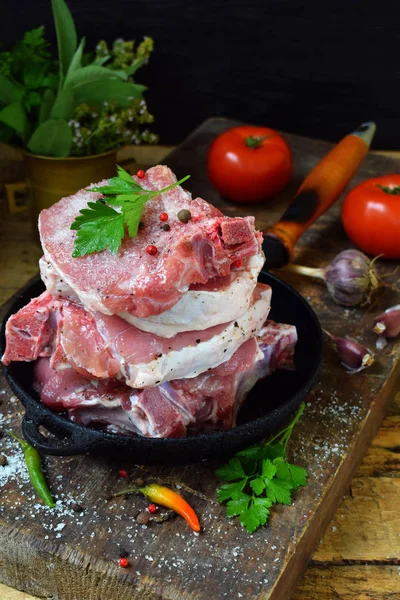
64,555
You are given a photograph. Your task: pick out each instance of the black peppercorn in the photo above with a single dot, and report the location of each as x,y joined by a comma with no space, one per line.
184,215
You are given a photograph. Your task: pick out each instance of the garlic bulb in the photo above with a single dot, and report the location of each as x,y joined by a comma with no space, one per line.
350,278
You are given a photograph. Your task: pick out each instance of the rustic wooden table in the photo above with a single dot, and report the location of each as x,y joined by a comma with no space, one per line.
358,556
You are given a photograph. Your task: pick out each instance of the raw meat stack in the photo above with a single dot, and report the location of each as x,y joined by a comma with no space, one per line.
159,342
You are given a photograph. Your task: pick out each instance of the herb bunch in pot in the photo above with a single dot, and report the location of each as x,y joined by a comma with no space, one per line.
72,114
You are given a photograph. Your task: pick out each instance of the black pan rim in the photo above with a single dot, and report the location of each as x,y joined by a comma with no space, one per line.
97,436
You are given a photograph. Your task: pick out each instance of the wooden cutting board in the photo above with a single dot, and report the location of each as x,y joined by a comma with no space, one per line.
72,555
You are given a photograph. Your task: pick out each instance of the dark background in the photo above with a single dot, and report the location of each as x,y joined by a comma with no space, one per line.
317,69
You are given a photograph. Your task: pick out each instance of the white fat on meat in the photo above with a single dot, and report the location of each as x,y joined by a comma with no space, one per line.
187,357
99,346
219,301
55,285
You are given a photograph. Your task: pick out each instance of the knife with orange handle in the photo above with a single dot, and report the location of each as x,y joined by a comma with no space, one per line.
316,194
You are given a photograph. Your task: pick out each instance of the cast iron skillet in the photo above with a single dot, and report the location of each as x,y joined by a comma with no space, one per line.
268,406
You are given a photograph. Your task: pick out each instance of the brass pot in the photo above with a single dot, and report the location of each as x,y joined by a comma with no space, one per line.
49,179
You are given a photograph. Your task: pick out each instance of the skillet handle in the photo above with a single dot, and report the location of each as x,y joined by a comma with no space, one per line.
318,192
66,439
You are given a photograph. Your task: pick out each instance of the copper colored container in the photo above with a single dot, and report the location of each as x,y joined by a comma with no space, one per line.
49,179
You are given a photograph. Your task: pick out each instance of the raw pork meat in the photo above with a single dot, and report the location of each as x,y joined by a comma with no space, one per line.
211,400
132,281
99,346
28,332
155,344
218,301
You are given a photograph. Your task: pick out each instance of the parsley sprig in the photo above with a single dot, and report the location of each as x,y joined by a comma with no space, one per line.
100,226
260,477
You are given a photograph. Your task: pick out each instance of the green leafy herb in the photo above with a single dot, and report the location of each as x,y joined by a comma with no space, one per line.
67,40
260,477
101,226
51,138
30,52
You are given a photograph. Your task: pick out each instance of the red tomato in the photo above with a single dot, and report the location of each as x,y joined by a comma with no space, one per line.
371,215
249,164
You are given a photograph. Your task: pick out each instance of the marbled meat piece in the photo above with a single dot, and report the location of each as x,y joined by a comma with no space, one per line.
211,400
132,280
204,305
28,332
103,347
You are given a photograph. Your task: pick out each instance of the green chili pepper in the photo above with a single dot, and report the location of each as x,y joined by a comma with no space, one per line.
34,465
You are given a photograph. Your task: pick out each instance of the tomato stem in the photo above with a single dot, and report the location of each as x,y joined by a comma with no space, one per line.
394,190
253,141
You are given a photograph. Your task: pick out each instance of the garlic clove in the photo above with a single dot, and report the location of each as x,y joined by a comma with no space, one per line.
353,356
388,323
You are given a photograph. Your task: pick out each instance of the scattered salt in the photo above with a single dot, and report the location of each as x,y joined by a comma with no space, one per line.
15,468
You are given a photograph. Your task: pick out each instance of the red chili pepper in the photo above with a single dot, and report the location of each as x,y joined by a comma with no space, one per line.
238,263
170,499
152,250
164,217
152,508
140,174
123,562
123,473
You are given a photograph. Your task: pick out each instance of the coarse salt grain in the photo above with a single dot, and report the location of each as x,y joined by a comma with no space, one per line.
14,469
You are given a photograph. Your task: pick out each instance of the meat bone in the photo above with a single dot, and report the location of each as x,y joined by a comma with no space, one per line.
317,193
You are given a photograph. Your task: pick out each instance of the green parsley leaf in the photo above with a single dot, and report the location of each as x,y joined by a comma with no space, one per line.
299,475
132,207
268,469
253,452
237,505
249,466
122,174
101,228
257,485
279,490
260,452
117,186
256,514
273,451
229,490
296,476
260,477
233,470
